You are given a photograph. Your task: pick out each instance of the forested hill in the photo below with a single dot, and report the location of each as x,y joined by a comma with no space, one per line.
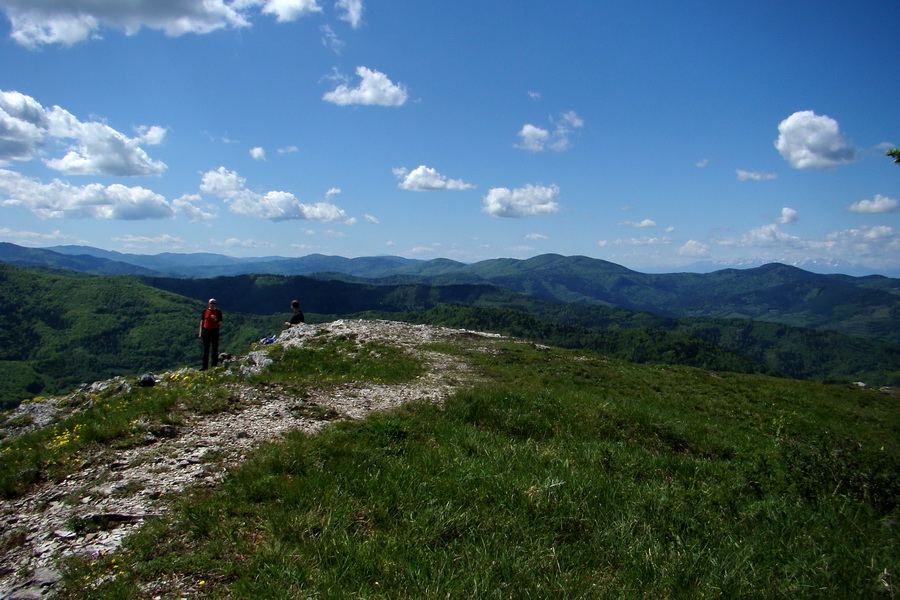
718,344
861,306
58,330
865,306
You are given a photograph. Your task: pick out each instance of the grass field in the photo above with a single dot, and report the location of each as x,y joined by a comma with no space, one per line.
560,475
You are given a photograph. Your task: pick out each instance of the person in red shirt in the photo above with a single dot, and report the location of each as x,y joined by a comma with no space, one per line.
209,333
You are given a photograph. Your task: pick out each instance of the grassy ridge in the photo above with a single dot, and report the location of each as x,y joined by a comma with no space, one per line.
570,475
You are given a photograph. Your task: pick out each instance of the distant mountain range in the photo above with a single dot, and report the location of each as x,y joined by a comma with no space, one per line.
864,306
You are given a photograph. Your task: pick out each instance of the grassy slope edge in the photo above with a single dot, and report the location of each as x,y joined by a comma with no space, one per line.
569,475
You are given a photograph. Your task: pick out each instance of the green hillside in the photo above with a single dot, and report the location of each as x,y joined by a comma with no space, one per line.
59,331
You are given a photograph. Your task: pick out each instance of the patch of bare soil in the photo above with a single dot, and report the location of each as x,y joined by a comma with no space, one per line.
90,511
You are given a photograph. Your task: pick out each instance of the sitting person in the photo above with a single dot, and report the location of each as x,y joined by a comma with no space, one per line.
297,316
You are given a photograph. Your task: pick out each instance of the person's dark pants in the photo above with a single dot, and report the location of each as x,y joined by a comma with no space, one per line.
210,339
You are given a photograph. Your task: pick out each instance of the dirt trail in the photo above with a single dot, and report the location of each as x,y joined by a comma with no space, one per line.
92,510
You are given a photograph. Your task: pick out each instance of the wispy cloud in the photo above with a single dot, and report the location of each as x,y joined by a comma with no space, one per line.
352,11
136,241
331,40
755,176
643,241
643,223
239,243
32,236
538,139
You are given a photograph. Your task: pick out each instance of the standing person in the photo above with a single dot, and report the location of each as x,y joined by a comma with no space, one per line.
209,333
297,316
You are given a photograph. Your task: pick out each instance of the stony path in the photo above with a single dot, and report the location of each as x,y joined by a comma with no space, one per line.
91,510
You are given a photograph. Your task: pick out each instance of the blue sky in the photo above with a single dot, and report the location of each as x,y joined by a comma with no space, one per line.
661,136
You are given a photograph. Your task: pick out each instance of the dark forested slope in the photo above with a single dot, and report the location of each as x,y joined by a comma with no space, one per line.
58,331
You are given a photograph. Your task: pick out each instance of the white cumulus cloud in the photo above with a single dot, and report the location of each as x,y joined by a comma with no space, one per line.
59,199
522,202
533,138
188,206
426,179
274,205
92,148
258,153
881,234
374,89
788,215
880,204
35,23
866,244
291,10
809,141
23,126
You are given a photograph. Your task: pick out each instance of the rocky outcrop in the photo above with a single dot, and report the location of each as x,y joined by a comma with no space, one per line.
113,492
